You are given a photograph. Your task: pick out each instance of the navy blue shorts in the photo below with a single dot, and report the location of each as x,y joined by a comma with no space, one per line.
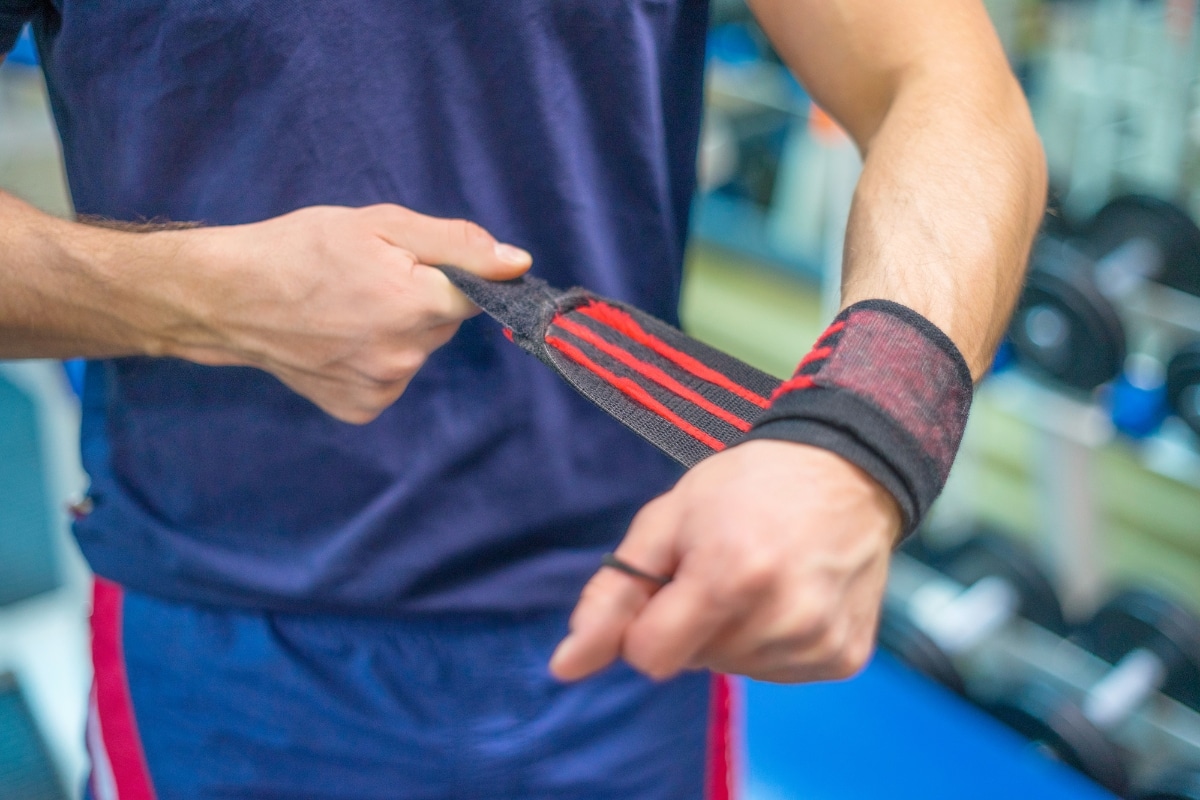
197,703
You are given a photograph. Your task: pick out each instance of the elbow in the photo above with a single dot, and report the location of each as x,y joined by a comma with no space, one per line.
1025,145
1024,136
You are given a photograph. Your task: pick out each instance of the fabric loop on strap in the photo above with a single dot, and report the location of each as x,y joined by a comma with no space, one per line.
884,388
688,399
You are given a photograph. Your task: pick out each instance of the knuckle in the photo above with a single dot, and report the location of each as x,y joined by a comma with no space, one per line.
635,660
784,675
389,213
843,668
439,335
846,655
640,655
372,401
355,415
470,233
806,622
593,591
859,653
386,394
731,591
405,261
646,512
396,368
755,576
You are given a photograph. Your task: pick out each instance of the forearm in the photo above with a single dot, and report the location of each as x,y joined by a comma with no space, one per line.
954,180
70,290
950,197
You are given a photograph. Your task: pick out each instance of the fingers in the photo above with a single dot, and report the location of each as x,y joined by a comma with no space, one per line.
826,658
459,242
796,638
714,592
770,580
613,599
675,624
358,397
358,404
445,301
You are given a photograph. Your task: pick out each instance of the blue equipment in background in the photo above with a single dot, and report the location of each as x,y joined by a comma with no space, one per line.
892,734
24,51
28,563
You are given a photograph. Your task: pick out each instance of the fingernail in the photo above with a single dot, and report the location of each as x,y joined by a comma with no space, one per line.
512,255
562,653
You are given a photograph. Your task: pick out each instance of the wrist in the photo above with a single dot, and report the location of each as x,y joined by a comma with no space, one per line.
886,390
842,443
811,464
136,285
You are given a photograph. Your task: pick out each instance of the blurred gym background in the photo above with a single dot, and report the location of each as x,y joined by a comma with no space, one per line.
1041,634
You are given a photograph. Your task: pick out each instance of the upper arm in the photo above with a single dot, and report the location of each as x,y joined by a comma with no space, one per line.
855,56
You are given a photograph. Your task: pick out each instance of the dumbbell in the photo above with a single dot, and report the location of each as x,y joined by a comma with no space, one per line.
1067,325
1183,384
989,582
1153,645
1063,327
1137,237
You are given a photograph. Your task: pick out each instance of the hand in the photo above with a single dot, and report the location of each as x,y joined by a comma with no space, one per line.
340,304
779,553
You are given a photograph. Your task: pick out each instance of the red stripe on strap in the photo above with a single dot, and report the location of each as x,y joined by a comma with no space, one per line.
634,391
720,741
618,320
114,707
819,354
650,371
831,330
795,384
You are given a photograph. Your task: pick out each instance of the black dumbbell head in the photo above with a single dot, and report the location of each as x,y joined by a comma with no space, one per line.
1059,728
1181,784
1183,385
1145,619
901,637
1163,223
1064,328
989,552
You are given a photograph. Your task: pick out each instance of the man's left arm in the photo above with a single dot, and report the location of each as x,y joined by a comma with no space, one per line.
779,549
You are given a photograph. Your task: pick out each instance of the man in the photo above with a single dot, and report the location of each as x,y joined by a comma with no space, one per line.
339,521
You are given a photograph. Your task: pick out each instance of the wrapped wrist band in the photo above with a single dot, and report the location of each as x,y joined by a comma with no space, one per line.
886,390
883,388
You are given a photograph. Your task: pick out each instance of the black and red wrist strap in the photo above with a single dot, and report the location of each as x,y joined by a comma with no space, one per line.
883,387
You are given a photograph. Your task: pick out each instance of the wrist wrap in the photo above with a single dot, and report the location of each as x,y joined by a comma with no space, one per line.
883,388
886,390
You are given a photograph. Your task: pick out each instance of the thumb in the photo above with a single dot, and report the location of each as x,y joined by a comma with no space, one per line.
458,242
612,600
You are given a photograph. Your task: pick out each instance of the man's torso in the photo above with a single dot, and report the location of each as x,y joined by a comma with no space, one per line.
565,127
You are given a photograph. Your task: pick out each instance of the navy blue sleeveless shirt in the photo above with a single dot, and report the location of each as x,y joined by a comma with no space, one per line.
567,127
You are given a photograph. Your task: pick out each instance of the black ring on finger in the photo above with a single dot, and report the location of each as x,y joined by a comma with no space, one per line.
610,560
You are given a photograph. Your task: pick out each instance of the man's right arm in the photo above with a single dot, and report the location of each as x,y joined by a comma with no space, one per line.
340,304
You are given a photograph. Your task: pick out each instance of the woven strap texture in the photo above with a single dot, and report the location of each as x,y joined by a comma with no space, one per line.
883,387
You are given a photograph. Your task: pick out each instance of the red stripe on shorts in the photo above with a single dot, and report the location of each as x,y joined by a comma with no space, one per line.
113,704
721,784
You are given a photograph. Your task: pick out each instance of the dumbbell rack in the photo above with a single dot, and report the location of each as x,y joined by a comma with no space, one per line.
1160,733
1070,433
